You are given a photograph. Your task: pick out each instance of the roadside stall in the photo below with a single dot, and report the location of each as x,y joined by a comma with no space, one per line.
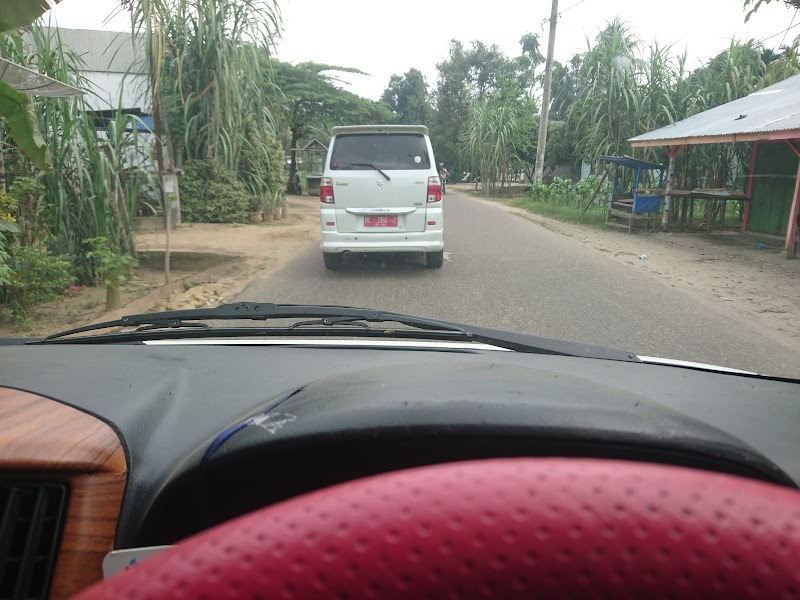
312,157
631,203
768,119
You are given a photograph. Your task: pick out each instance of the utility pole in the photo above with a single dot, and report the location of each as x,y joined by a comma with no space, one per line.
548,80
166,198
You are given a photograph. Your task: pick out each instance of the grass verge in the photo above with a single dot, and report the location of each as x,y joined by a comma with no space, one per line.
595,216
571,214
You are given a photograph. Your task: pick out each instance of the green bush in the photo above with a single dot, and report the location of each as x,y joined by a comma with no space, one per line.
35,277
564,193
112,267
212,193
261,164
5,257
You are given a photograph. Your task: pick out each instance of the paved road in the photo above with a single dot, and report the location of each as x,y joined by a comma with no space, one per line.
506,272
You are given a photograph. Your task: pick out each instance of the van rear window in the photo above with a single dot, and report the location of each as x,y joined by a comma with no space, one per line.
388,151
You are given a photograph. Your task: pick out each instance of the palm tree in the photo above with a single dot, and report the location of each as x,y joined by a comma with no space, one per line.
488,138
608,93
208,71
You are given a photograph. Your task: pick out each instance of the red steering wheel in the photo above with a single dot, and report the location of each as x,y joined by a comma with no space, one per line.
506,528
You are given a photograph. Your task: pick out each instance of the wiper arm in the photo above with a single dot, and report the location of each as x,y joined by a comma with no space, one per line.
334,320
371,166
331,321
253,311
171,325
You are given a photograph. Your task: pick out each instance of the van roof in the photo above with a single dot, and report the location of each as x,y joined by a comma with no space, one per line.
380,129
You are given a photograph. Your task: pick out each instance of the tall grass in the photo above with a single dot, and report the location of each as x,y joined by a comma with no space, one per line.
212,78
488,140
565,200
83,193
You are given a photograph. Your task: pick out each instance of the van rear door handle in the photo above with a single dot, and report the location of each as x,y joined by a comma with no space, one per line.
407,210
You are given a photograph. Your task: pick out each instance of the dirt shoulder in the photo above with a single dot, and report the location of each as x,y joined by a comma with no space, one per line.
725,271
258,250
211,264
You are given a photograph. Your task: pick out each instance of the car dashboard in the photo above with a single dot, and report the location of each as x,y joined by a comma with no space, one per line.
149,444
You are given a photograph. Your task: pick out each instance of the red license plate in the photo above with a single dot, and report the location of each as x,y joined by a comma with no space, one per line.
380,221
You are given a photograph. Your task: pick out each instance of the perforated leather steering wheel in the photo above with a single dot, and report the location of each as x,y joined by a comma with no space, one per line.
506,528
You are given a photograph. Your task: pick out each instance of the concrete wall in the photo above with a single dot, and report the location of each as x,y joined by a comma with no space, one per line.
109,91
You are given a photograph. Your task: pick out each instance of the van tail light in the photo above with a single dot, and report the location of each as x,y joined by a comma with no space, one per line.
434,189
326,191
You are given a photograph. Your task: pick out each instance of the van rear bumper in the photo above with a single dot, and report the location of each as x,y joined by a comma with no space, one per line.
425,241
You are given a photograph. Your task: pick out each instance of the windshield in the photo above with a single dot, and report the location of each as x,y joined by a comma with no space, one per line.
616,173
381,151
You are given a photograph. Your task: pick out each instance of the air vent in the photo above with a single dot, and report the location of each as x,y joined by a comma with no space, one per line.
31,518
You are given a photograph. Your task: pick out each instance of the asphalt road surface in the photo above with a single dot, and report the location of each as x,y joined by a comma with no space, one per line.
506,272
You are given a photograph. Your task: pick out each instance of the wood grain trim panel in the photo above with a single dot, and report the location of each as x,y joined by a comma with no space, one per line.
39,433
44,439
88,535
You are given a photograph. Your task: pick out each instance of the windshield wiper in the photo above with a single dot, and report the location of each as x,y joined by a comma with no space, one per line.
319,321
327,316
370,166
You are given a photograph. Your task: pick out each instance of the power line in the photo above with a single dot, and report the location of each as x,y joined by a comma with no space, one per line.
764,39
790,26
570,7
769,37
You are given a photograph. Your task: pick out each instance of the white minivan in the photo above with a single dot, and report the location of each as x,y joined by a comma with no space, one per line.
381,192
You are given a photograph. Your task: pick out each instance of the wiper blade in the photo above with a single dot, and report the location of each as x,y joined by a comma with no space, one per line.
370,166
345,331
333,321
254,311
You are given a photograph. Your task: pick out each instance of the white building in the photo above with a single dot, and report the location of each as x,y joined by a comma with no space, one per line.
115,67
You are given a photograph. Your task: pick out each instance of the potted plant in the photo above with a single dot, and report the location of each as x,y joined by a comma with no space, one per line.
256,209
112,267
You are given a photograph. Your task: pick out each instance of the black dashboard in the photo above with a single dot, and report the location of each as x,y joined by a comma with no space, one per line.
211,432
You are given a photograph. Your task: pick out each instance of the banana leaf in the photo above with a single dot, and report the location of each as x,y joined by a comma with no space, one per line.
20,13
17,111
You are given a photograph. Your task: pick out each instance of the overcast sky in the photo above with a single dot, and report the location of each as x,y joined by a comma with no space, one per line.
383,38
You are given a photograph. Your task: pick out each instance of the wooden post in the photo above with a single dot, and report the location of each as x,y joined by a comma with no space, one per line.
673,152
791,230
750,185
594,194
635,195
154,82
724,209
546,90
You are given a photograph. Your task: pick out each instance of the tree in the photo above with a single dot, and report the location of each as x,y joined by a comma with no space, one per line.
210,78
563,88
407,98
488,139
603,112
310,102
472,74
560,147
732,74
756,4
786,65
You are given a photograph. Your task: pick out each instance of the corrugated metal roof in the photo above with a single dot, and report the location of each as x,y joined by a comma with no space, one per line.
30,82
772,109
106,51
